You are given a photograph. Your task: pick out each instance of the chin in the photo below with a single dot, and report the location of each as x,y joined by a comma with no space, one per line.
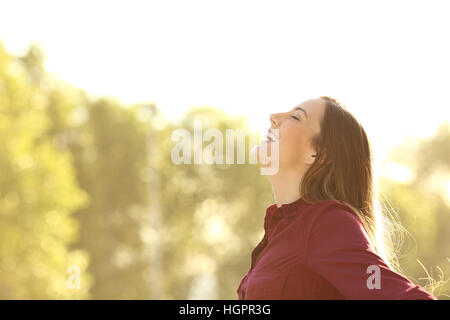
265,153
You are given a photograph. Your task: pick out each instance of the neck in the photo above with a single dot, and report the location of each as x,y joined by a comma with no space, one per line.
286,186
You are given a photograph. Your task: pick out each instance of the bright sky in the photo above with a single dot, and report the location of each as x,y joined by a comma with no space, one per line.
388,61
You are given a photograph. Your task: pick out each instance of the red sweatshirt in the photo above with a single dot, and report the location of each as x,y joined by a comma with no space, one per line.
320,251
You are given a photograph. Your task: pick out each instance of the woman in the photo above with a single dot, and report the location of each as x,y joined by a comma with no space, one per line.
320,235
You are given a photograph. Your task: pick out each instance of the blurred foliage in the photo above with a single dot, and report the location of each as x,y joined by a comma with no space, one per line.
38,194
108,147
423,205
213,216
90,182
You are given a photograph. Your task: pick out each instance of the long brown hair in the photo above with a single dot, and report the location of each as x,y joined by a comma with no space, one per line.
343,171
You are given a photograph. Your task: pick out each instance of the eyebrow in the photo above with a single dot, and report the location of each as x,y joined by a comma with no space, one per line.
301,109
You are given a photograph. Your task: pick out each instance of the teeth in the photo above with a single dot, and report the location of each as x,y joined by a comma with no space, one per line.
272,137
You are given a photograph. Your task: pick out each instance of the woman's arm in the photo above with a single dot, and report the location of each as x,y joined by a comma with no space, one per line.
338,249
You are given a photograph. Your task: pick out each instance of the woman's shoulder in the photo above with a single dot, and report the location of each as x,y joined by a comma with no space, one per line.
333,223
330,205
330,211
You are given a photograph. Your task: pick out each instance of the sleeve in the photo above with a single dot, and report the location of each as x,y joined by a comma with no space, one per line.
338,249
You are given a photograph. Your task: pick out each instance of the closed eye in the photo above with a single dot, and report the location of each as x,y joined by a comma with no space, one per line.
295,118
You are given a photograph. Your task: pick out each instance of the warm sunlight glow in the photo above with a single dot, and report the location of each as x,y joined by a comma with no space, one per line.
251,57
129,163
397,172
447,192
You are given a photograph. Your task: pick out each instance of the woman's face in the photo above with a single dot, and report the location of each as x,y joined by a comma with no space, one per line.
296,129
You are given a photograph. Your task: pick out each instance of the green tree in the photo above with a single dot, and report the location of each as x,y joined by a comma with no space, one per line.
423,205
38,193
212,214
109,149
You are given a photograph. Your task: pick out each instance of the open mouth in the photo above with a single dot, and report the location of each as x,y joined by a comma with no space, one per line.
271,137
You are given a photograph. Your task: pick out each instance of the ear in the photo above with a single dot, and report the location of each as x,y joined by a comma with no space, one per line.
314,156
311,158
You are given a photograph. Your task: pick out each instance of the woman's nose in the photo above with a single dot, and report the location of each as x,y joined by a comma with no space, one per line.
274,119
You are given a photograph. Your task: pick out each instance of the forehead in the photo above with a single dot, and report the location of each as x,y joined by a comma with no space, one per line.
313,107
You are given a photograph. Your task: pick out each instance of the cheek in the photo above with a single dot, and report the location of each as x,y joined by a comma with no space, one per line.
292,144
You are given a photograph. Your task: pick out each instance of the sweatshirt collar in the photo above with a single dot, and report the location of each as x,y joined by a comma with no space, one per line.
274,214
287,209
